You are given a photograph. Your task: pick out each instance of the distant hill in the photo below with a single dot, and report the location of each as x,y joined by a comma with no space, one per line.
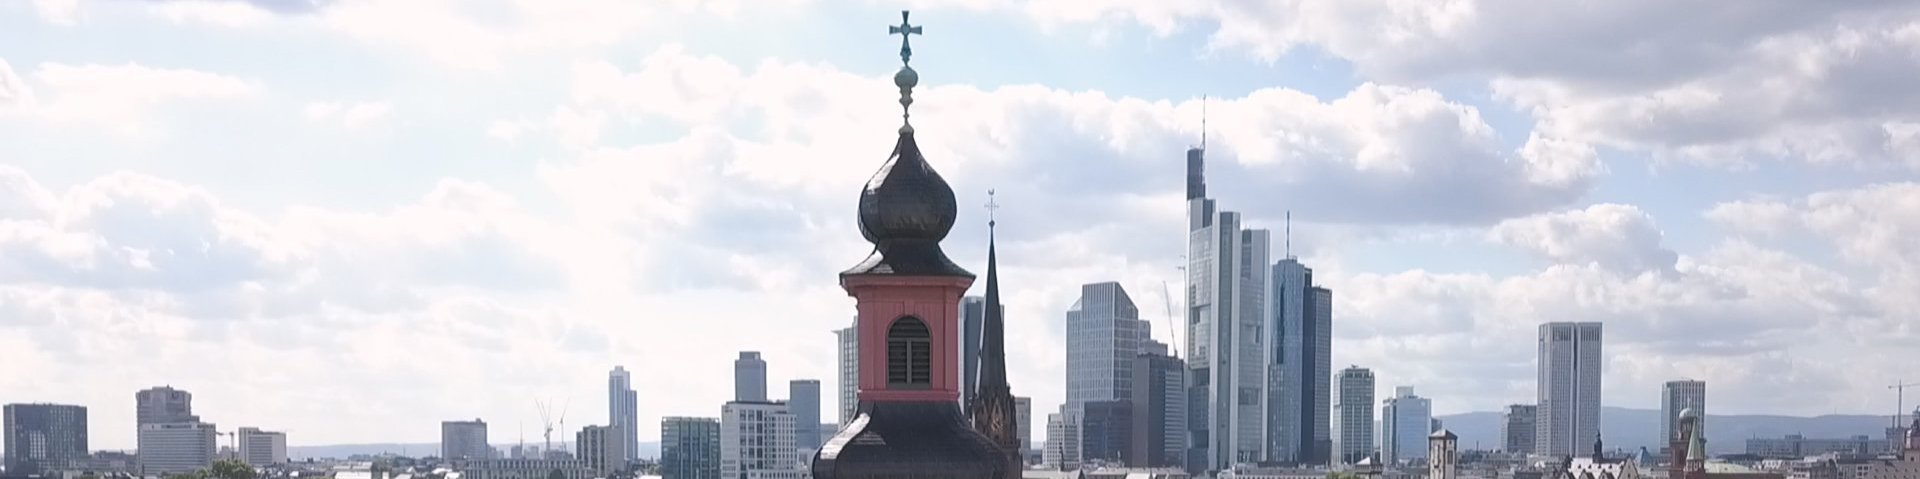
1623,428
648,450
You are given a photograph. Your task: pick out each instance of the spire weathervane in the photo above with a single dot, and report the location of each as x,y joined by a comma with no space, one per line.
906,78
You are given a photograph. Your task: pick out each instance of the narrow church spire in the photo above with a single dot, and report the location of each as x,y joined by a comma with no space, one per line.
993,408
993,357
992,341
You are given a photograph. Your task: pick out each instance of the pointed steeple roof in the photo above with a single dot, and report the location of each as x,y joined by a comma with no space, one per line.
1696,446
993,409
993,344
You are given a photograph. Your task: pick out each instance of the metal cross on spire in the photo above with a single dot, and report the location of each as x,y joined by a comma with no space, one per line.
906,78
904,29
991,207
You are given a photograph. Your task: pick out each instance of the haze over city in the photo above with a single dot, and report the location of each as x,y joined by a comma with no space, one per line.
351,220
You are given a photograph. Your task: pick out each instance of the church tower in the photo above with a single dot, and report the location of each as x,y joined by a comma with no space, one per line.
907,291
1442,454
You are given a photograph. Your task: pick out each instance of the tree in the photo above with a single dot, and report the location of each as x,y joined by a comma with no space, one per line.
231,469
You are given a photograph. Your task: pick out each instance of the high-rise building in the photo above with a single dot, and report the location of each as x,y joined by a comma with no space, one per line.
1299,409
1353,432
260,448
1408,419
803,401
1569,389
689,448
1677,396
623,411
466,440
849,384
1023,422
44,439
973,314
176,447
750,377
1159,410
1104,333
602,449
756,440
1063,441
1517,428
1106,431
1227,287
163,404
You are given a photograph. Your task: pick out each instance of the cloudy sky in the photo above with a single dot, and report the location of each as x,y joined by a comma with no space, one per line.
351,219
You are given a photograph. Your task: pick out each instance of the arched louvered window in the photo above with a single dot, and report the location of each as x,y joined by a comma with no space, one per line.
909,354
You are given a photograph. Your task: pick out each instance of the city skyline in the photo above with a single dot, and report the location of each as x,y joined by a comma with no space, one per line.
533,202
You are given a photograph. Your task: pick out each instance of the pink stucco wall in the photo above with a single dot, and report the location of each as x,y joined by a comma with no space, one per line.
882,299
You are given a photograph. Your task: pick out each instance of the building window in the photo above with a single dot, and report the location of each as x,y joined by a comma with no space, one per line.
909,354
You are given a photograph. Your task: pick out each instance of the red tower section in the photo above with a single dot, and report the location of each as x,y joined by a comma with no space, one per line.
906,323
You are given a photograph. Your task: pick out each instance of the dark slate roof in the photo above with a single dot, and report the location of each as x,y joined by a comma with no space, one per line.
908,440
905,210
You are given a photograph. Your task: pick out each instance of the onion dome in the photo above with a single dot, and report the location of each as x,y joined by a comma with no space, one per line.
907,208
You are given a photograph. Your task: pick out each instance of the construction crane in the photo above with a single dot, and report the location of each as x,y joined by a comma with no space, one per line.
546,419
1173,342
1900,400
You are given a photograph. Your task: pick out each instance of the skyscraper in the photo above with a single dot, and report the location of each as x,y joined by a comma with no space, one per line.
756,440
803,401
689,448
260,448
602,449
464,440
1354,429
1569,389
176,447
163,404
750,377
1104,333
1063,440
849,383
1023,421
1301,367
1408,419
1106,431
44,438
1227,287
973,313
623,410
1517,428
169,436
1677,396
1159,410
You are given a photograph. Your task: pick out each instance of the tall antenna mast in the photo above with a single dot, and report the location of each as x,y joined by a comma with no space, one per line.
1289,235
1203,122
